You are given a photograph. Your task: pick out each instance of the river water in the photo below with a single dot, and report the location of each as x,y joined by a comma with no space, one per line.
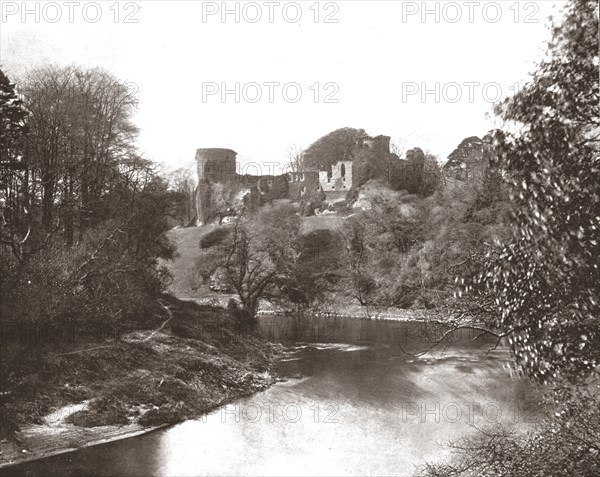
358,401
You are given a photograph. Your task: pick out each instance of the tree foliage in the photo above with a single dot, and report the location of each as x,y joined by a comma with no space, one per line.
339,145
183,183
94,209
543,282
81,133
405,250
546,279
259,256
13,169
265,257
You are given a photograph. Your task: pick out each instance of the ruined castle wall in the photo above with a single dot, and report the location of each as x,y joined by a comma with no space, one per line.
381,144
303,184
216,165
340,179
217,175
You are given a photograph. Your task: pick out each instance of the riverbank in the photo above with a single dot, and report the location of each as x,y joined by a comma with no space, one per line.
357,311
78,391
341,311
188,285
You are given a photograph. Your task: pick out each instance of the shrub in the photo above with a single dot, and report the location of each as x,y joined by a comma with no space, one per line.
214,237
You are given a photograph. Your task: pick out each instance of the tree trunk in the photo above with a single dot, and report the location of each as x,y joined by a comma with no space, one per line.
69,214
47,203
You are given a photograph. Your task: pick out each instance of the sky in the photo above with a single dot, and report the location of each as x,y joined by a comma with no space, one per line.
260,77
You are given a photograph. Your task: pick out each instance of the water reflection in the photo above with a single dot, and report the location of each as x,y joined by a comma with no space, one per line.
358,404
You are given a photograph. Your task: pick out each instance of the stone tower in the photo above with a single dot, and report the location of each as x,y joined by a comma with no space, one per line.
214,165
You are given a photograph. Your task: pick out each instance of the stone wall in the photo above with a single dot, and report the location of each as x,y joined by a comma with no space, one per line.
302,184
218,181
216,165
338,179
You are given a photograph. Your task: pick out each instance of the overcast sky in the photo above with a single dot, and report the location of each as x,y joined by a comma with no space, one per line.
361,64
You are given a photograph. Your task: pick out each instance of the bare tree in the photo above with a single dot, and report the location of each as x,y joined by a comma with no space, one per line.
358,260
261,254
294,154
81,130
183,183
398,148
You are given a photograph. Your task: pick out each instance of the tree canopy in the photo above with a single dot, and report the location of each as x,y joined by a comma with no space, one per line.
546,279
338,145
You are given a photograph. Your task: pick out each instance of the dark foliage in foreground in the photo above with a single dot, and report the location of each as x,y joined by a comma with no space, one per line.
544,284
564,443
83,215
546,280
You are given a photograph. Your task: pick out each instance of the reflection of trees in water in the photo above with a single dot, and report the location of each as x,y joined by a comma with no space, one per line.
300,328
413,337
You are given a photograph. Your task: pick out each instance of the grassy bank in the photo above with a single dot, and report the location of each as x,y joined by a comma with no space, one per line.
181,362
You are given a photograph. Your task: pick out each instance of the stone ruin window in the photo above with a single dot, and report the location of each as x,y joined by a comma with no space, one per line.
329,174
343,172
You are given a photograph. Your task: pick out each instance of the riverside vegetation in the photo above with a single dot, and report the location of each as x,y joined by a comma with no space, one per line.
85,317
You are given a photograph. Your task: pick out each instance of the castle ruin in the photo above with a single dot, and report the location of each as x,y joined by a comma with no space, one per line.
216,165
217,168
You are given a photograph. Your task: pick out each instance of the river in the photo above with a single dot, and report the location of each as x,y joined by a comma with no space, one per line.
357,401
